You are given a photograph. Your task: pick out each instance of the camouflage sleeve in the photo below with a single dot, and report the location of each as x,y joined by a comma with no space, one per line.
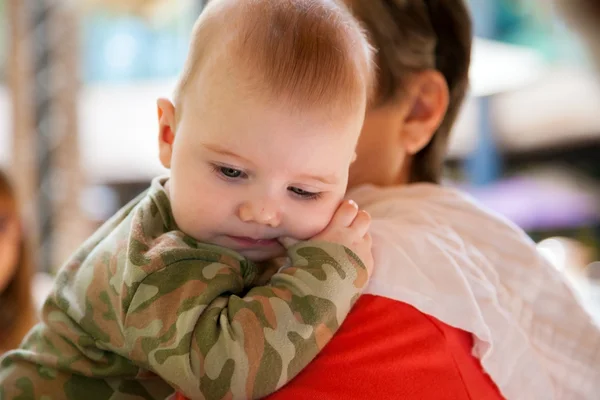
63,357
188,321
142,309
209,343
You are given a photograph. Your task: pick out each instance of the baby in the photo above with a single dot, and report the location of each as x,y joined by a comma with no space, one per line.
259,140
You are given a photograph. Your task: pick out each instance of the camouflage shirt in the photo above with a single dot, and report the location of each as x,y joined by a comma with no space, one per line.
142,310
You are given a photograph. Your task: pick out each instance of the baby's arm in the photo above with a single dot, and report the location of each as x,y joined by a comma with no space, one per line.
181,313
247,347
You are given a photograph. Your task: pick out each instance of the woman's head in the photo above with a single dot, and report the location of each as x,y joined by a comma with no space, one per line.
15,274
423,56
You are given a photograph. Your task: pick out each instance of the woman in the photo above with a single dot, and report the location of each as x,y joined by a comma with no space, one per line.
17,312
459,295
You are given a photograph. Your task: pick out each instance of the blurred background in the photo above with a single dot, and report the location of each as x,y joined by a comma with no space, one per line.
79,81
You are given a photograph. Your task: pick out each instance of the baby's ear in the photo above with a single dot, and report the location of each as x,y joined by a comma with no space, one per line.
166,130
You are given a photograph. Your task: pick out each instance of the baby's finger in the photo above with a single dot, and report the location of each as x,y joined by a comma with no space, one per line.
287,242
361,223
345,214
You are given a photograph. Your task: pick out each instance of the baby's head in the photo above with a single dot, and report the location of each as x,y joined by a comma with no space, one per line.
265,121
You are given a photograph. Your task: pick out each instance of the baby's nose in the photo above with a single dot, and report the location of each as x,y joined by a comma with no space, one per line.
263,213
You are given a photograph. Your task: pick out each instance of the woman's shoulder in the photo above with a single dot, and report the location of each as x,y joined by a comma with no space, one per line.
443,211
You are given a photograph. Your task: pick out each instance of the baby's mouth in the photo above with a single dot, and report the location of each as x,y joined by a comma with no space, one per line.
245,241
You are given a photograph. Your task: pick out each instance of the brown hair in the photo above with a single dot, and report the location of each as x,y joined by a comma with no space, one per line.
17,311
310,52
412,36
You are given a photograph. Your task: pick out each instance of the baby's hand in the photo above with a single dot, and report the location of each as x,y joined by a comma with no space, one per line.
349,226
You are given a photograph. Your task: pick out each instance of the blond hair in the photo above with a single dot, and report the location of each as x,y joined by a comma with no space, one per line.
310,53
415,35
17,311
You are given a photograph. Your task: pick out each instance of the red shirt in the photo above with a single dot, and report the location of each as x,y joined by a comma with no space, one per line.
386,349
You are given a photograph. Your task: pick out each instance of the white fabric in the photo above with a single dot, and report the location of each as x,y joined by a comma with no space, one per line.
438,250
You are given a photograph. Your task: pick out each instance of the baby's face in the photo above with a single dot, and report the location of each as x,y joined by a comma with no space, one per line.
245,173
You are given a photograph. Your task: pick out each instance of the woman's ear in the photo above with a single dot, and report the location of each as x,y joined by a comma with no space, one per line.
166,131
428,94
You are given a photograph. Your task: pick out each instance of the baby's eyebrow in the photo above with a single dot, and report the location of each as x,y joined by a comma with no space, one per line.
327,179
331,179
215,148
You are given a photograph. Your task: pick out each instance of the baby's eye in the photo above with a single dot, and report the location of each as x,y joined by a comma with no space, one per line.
229,172
304,193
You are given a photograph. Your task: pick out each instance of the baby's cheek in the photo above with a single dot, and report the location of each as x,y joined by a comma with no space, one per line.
312,220
181,214
192,213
